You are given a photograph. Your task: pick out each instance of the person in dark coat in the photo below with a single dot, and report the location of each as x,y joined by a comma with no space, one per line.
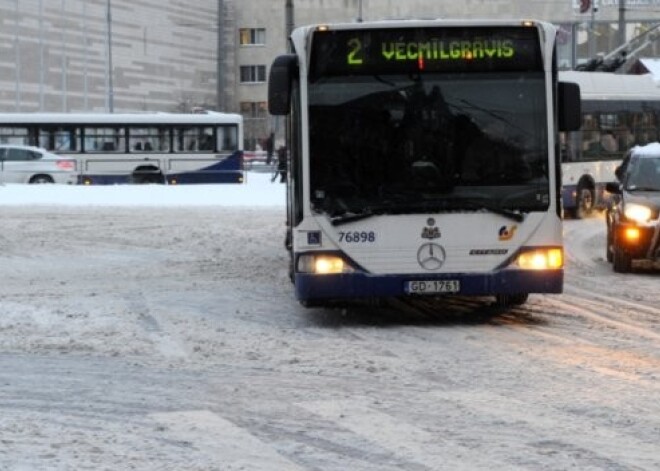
281,164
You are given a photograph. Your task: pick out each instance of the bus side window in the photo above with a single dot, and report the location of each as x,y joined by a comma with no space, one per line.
565,150
609,142
102,139
14,135
206,142
186,139
149,139
227,138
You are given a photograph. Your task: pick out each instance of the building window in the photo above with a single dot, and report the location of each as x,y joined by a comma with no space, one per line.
252,36
253,73
254,109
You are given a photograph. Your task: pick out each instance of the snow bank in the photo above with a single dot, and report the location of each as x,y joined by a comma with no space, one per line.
257,191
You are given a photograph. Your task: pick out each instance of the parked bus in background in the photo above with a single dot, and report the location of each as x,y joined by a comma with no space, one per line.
137,147
618,112
423,159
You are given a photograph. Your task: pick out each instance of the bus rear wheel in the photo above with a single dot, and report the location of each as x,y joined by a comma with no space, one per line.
41,179
146,175
584,205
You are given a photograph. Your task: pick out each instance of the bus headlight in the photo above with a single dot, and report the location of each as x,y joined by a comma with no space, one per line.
541,259
638,213
323,264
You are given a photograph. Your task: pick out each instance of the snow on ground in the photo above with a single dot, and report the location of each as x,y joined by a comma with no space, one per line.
127,228
154,328
257,191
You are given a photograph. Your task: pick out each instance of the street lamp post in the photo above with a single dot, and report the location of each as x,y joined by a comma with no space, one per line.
64,59
41,55
17,51
86,55
592,30
220,81
108,76
622,22
288,9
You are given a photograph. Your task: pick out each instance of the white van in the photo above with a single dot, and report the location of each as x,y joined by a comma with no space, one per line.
25,164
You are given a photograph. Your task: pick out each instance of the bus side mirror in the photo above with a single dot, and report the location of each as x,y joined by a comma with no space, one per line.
279,84
570,109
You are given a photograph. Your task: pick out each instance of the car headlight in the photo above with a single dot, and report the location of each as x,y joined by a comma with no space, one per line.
632,234
637,212
323,264
541,259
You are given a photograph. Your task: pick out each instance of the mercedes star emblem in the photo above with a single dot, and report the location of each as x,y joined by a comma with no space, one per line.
431,256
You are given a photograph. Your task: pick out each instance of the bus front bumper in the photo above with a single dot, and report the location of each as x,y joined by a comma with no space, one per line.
309,287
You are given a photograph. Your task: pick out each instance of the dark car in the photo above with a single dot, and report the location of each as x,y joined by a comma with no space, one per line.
633,217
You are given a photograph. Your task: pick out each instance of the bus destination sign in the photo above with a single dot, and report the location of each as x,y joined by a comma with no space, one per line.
418,50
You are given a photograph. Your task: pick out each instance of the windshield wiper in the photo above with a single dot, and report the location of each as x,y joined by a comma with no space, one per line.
369,211
391,208
516,215
351,217
425,206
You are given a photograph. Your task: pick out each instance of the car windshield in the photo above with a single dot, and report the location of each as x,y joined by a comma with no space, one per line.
428,143
644,174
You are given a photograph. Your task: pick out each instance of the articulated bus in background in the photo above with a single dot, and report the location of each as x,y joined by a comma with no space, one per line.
136,147
618,112
424,159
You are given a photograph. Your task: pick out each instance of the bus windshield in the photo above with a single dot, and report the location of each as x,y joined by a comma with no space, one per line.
428,140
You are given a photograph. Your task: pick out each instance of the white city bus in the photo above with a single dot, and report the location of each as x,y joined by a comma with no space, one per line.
423,159
137,147
618,112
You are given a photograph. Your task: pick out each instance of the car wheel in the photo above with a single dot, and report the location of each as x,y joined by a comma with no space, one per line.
41,179
622,261
584,205
608,247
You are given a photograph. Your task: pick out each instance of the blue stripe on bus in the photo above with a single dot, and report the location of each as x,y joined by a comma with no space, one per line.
224,171
205,176
102,179
362,285
228,170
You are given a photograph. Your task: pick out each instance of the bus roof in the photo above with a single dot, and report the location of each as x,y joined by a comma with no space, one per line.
210,118
611,86
424,22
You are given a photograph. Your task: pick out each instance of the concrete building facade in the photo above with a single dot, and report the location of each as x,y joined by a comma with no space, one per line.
55,55
175,55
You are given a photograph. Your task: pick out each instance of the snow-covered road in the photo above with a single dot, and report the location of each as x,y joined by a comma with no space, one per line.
168,338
